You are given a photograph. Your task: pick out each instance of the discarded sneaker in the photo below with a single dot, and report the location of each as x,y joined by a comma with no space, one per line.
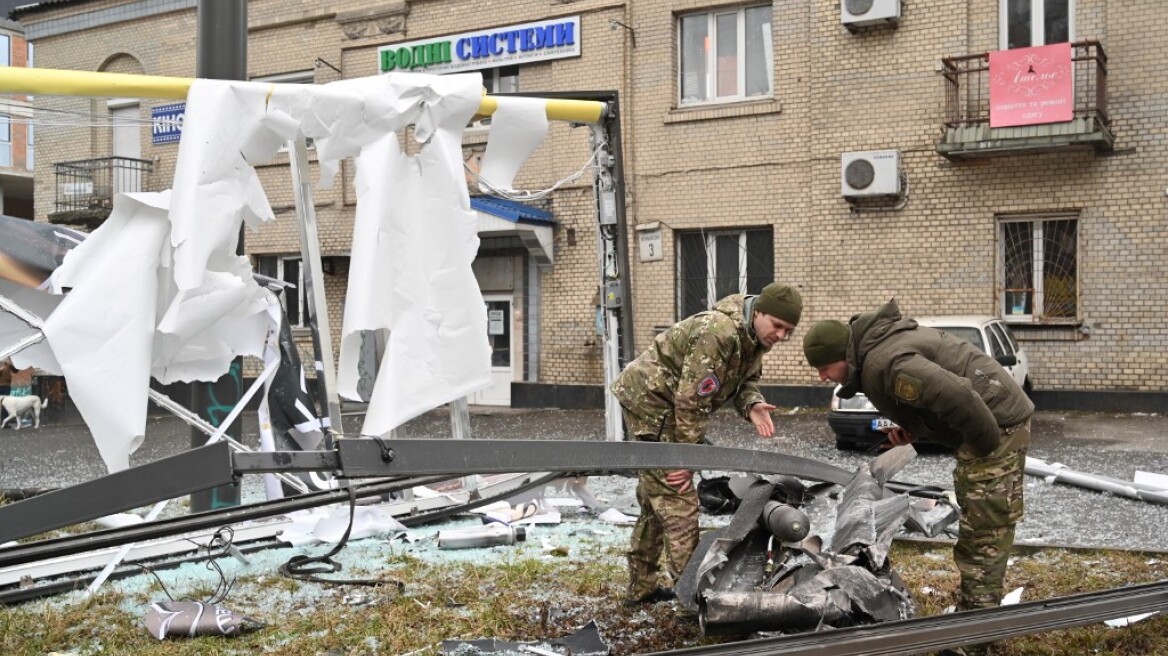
660,594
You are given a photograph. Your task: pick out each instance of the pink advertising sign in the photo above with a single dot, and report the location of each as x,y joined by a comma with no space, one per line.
1029,86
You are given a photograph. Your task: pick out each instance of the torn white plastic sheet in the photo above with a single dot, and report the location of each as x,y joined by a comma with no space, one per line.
1127,621
164,293
414,239
1152,480
518,127
328,524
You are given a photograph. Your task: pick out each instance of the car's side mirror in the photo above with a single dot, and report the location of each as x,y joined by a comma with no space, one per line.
1007,360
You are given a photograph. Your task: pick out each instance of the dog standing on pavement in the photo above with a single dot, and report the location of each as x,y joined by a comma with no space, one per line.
19,406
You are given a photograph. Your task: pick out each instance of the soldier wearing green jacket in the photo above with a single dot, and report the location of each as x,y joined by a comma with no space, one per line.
941,387
667,395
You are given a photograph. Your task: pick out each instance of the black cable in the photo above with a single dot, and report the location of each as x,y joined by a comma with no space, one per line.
306,568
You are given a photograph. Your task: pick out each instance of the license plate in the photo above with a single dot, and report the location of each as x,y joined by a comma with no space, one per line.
880,423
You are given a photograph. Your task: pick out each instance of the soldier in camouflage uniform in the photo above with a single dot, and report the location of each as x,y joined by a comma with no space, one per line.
939,386
667,395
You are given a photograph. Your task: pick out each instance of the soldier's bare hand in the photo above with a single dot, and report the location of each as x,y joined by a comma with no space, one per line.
680,479
760,416
899,436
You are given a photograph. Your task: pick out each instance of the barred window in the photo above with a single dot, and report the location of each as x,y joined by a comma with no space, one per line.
715,264
1039,270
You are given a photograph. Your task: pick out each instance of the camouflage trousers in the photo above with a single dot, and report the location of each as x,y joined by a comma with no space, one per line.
667,526
989,492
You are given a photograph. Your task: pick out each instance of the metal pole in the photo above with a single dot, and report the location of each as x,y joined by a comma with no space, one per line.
317,305
222,55
612,275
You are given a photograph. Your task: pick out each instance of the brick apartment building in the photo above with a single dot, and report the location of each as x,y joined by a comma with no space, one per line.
843,146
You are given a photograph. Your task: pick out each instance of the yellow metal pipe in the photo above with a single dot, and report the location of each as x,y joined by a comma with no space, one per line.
52,82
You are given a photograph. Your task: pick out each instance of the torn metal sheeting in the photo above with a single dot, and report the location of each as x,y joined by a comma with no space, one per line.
742,580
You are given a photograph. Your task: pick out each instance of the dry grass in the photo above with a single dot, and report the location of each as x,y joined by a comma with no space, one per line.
532,599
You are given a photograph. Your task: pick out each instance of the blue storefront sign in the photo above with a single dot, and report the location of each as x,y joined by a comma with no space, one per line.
167,122
469,51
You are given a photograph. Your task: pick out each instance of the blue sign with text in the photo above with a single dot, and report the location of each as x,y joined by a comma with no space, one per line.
167,122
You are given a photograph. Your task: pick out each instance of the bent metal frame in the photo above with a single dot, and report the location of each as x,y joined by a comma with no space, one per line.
158,481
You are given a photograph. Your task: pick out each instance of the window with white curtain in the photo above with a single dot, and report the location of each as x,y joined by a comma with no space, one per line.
725,55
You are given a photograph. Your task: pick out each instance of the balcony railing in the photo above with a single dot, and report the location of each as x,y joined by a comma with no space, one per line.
967,109
86,187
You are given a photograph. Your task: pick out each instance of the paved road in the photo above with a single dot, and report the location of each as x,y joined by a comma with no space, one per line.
1112,445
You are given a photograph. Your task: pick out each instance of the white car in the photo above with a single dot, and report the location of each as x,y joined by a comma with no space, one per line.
856,422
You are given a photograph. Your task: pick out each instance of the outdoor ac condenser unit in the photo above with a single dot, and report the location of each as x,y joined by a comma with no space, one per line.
870,173
858,13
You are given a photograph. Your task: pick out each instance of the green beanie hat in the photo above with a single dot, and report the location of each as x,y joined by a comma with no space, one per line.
825,343
780,301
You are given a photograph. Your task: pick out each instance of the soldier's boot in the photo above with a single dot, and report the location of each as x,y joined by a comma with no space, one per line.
643,578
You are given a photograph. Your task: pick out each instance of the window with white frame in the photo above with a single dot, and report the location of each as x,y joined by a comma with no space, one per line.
5,50
1026,23
1039,268
725,55
5,140
504,79
715,264
294,298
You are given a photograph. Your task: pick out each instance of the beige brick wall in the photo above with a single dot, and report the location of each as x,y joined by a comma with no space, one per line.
773,162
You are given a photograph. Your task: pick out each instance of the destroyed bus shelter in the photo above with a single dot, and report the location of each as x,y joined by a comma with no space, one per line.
165,266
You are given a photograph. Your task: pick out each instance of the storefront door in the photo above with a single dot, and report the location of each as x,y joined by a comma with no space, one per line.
502,350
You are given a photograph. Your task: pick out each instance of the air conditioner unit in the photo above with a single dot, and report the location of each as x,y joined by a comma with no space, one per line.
870,173
858,13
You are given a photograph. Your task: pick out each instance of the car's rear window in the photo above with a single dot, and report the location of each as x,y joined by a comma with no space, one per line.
971,335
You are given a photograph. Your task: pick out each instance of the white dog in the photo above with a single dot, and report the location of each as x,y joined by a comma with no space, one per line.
19,406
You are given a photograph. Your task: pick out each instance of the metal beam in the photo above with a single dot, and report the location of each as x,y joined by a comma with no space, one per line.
935,632
184,473
364,458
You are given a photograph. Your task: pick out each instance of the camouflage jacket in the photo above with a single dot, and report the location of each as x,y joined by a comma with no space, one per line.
694,368
932,384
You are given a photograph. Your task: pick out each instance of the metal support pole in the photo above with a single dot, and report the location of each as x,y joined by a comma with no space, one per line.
221,53
317,305
460,429
612,283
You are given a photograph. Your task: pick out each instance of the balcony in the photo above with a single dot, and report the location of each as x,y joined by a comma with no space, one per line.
968,133
86,187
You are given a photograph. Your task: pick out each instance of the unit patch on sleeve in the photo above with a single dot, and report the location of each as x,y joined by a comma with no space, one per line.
709,386
908,389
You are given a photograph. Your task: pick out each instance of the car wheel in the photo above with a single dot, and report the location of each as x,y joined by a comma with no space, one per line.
844,444
1028,388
